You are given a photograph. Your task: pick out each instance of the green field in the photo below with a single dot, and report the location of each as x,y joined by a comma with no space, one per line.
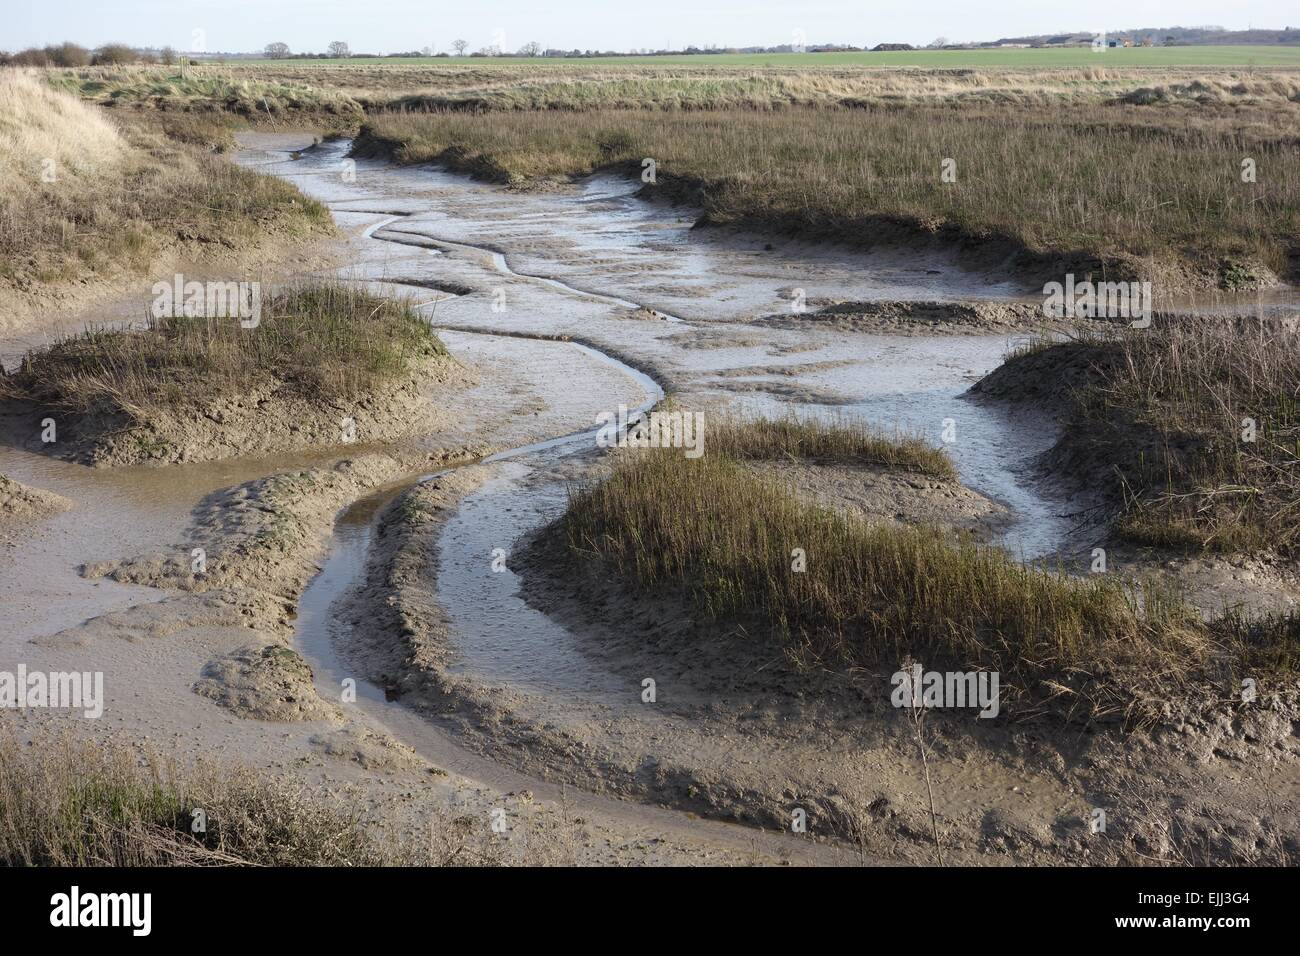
1173,56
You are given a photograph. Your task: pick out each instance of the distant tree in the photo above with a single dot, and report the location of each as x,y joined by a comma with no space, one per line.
939,43
460,46
337,49
68,54
115,54
167,56
276,51
531,49
32,56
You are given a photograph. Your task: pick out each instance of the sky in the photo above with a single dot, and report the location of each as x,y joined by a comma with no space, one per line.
383,26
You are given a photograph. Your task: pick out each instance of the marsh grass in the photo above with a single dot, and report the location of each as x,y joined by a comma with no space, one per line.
1121,188
873,595
843,441
207,89
1160,423
328,341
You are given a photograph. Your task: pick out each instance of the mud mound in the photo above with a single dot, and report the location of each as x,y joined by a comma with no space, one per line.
370,750
918,318
18,501
263,681
266,420
1046,374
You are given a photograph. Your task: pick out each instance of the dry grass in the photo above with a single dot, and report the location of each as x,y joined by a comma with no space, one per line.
1123,189
1160,422
642,85
82,197
64,803
37,123
327,342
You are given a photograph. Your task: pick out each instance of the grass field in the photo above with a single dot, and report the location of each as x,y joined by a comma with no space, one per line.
1072,58
1139,191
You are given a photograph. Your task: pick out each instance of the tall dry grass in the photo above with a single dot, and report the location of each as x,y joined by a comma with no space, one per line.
1193,427
82,197
70,803
1122,189
45,132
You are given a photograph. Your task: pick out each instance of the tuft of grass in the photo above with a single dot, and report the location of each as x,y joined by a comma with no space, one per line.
68,803
327,341
842,440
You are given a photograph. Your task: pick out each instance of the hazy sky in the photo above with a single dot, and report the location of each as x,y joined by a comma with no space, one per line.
388,25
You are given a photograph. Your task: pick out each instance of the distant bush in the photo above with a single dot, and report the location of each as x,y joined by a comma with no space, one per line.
116,54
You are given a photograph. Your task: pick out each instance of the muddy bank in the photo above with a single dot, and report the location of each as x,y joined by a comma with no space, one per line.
719,206
18,501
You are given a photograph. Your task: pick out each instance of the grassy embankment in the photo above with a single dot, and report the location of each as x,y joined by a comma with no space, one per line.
1126,190
1161,421
326,343
210,91
873,595
84,198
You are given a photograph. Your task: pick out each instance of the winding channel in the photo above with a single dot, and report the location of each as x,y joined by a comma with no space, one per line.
915,383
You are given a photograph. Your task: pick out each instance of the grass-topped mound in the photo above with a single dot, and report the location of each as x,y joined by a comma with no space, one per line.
317,355
83,198
1191,428
208,90
869,595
